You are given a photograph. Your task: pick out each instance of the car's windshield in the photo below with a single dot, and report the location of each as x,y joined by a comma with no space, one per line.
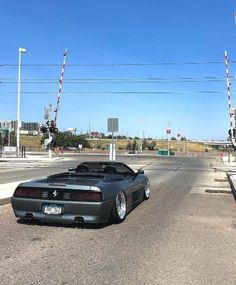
109,168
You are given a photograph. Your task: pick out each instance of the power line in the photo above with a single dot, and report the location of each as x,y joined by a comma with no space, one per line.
118,80
127,92
131,78
115,64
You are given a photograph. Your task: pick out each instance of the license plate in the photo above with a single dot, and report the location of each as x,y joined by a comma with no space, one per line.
52,209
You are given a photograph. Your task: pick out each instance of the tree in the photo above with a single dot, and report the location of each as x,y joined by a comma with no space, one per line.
135,145
129,146
152,145
145,144
66,139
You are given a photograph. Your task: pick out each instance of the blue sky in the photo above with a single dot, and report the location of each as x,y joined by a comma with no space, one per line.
117,32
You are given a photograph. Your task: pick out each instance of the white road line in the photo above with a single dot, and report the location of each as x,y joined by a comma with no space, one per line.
7,189
201,190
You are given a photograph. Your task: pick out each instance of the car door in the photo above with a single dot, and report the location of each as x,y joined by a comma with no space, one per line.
137,189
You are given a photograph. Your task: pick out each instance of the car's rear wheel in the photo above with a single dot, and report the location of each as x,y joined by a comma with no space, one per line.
146,194
120,208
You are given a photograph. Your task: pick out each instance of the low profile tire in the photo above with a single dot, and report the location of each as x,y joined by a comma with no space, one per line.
146,194
119,208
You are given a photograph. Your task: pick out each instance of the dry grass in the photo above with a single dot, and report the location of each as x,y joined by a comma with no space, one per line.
33,142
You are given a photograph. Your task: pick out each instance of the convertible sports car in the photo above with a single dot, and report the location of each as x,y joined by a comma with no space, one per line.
93,192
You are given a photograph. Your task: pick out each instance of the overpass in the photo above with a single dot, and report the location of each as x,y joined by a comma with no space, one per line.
216,142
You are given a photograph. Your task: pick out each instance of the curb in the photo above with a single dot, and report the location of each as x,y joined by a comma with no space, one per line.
5,201
232,182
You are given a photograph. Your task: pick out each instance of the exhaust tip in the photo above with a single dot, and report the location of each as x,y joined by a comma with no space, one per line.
29,216
78,220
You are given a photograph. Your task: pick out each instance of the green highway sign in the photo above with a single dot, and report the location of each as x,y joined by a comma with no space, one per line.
3,129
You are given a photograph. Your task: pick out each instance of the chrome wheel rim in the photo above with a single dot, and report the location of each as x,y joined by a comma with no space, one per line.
147,191
121,205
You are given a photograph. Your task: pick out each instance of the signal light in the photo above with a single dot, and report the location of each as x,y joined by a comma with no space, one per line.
53,130
87,196
43,129
234,133
51,123
27,193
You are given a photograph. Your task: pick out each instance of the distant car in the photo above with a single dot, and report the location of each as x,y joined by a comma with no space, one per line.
93,192
133,152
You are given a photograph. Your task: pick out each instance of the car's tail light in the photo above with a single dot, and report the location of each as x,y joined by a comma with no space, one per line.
86,196
27,193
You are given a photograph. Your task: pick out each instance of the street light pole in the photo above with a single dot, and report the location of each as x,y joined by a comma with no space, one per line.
141,134
21,50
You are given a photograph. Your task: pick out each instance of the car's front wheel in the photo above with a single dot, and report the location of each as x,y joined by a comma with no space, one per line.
120,208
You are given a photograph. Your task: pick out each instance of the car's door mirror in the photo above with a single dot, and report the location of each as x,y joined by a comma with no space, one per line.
71,169
140,171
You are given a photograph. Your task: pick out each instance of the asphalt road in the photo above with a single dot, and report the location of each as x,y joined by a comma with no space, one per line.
181,235
20,170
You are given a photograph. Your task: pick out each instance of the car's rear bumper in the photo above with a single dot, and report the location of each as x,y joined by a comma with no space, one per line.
85,212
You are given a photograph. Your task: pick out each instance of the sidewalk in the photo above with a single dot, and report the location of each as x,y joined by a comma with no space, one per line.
230,169
30,158
7,189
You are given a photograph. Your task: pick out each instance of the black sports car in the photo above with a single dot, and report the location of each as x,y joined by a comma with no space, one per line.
93,192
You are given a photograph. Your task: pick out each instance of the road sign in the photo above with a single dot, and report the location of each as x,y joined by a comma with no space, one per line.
112,125
3,129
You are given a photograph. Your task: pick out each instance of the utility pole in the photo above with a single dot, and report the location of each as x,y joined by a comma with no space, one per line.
20,51
141,133
47,116
187,144
168,131
89,130
9,136
178,139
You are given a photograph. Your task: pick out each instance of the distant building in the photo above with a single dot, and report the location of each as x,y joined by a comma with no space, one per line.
10,125
31,127
28,128
72,131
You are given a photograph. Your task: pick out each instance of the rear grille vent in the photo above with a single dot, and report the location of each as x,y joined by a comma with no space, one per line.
66,196
44,194
55,194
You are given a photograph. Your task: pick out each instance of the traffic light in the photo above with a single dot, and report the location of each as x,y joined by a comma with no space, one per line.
43,129
234,133
53,130
51,123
